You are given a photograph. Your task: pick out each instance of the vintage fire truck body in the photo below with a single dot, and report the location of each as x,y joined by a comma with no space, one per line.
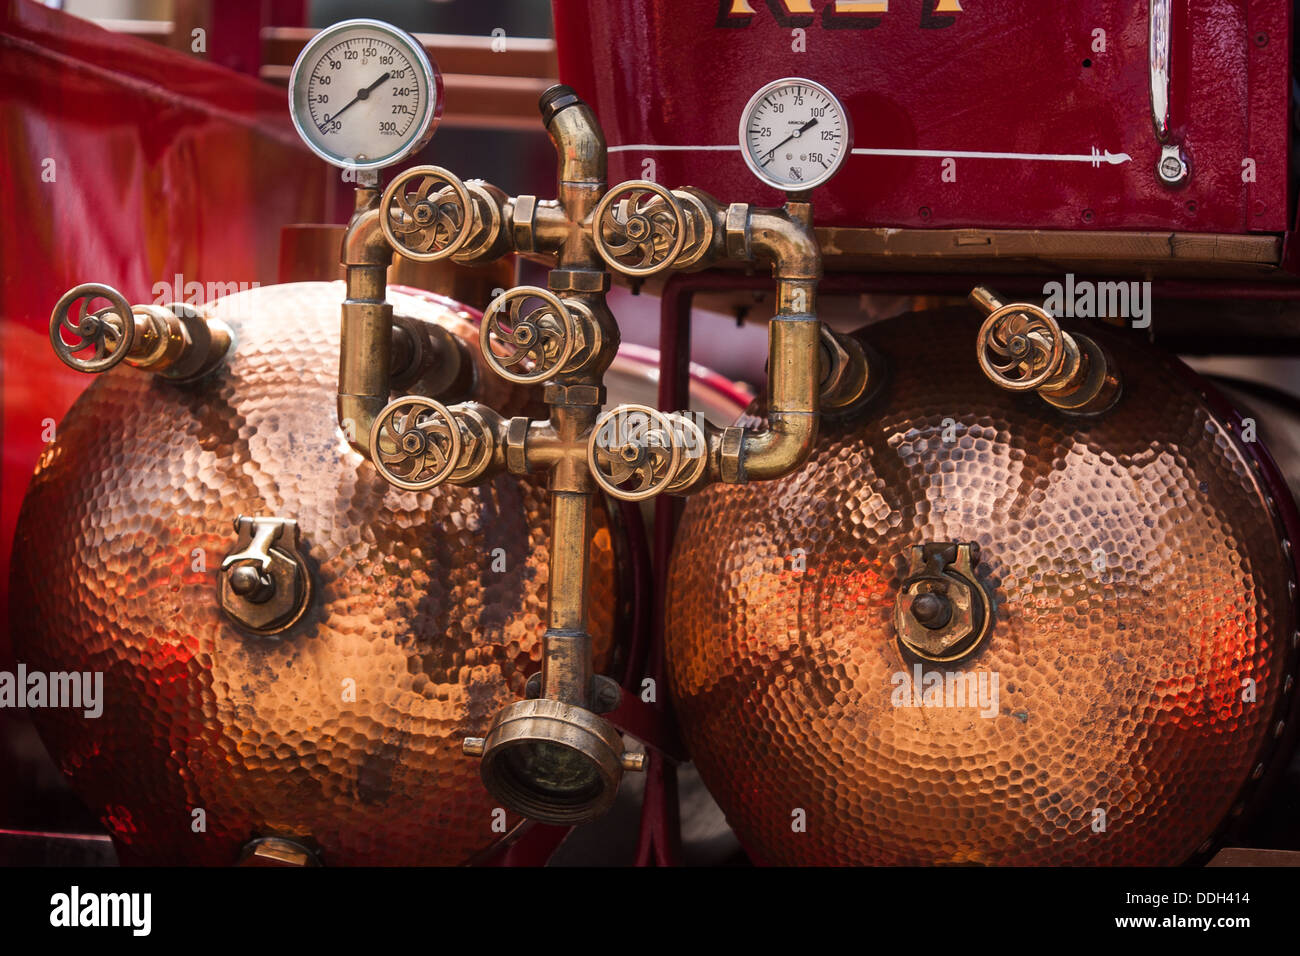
999,495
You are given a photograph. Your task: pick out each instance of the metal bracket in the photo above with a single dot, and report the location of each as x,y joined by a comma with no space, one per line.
264,583
1171,167
943,612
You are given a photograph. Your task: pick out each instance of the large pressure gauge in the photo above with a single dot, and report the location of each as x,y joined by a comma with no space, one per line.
794,134
363,95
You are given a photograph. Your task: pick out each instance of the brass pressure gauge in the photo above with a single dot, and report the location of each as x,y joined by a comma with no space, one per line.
794,134
363,95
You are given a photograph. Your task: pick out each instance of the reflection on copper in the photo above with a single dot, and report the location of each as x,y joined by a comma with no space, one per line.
1140,578
431,606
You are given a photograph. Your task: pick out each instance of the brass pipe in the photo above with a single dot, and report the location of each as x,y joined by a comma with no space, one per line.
580,147
365,354
567,670
793,391
567,658
785,238
578,139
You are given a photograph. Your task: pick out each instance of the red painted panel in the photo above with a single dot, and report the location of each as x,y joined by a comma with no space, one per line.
129,164
1013,76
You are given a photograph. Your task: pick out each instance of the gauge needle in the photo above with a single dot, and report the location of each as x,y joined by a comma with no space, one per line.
799,132
361,95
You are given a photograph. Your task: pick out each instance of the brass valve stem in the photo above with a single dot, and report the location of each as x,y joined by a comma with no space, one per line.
179,343
175,341
1070,371
567,670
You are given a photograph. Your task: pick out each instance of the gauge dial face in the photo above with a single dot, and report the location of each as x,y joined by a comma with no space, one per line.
363,95
794,134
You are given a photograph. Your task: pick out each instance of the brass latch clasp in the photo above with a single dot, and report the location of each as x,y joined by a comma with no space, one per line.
264,583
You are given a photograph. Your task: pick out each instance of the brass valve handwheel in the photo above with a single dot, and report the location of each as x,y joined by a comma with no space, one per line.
1020,347
634,452
415,443
431,221
109,331
528,327
639,228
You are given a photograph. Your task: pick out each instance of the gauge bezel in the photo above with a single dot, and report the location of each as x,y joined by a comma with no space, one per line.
433,82
758,170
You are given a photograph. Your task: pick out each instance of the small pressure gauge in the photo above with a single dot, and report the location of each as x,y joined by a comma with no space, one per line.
364,95
794,134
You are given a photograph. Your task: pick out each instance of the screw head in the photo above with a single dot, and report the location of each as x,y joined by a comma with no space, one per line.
1171,169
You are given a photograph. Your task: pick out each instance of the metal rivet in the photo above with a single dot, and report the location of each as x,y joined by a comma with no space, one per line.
1279,728
1257,772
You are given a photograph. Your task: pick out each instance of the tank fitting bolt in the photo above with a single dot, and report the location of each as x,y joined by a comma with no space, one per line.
931,610
251,584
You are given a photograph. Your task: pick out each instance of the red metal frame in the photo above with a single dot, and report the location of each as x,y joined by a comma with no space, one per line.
163,165
1007,90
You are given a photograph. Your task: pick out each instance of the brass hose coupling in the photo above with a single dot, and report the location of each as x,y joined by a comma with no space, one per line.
173,341
1021,348
552,760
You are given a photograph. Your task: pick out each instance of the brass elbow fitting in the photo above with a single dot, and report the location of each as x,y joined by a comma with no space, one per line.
784,238
578,139
794,387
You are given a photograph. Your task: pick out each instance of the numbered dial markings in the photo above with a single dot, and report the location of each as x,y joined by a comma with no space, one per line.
794,134
364,95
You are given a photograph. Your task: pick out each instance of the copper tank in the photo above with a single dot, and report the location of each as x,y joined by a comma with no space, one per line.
1144,630
432,604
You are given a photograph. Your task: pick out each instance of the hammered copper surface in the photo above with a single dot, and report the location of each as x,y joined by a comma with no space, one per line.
1139,580
145,476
